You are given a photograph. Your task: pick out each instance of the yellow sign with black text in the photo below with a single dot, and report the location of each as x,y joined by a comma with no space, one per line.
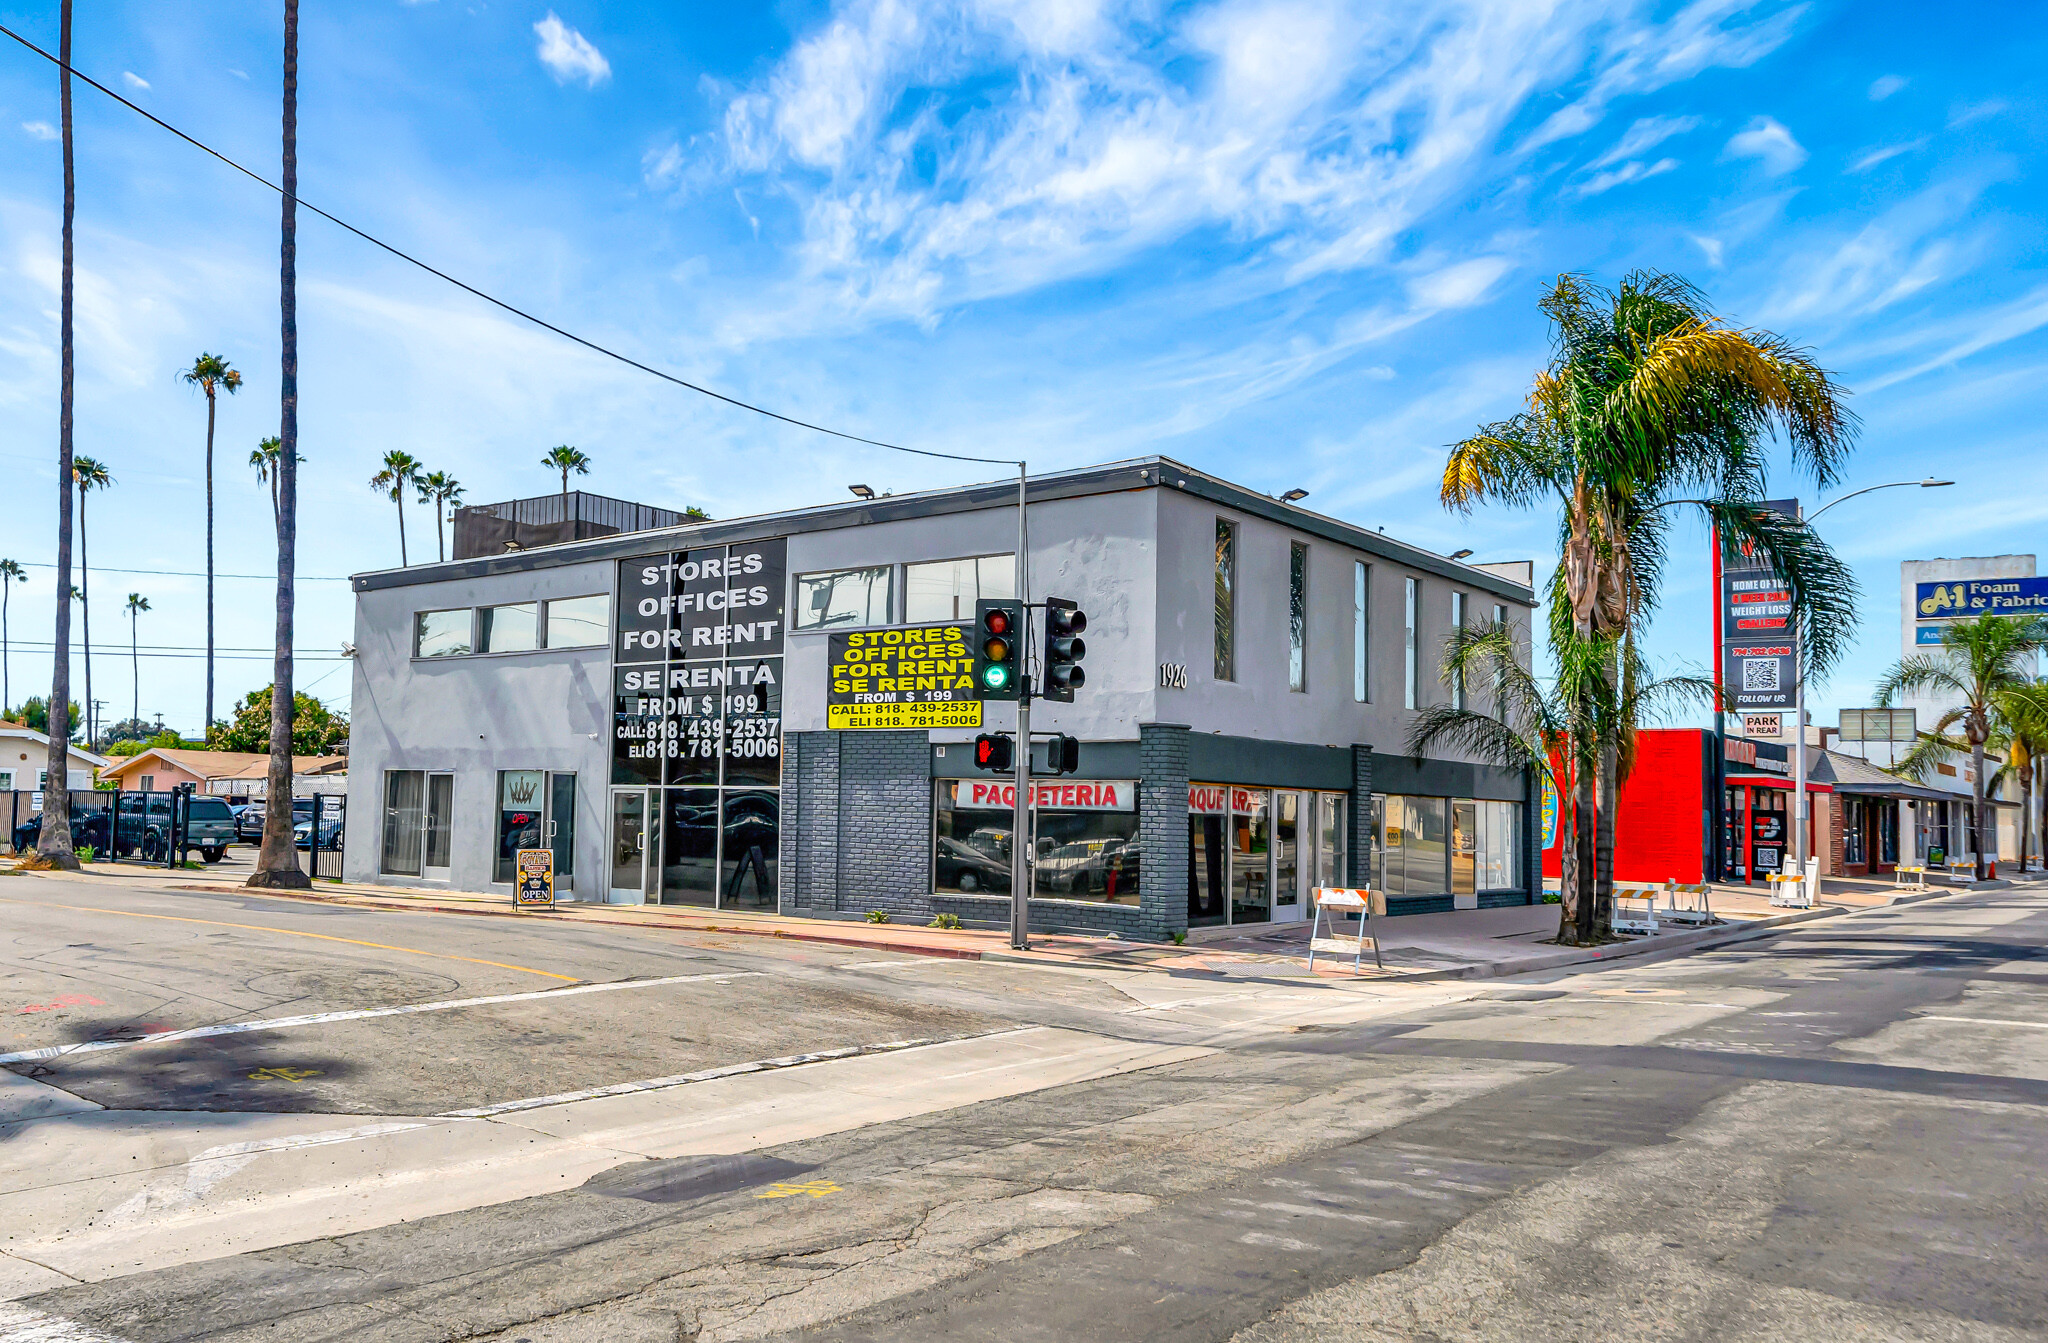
921,676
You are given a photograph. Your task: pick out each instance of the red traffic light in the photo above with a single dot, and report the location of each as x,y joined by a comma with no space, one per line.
996,622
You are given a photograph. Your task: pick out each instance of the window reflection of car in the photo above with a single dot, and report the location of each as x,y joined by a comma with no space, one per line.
966,866
1078,868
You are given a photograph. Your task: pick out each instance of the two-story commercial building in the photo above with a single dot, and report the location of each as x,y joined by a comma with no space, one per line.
652,705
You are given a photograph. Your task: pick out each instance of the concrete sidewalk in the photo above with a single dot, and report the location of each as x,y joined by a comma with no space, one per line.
1470,944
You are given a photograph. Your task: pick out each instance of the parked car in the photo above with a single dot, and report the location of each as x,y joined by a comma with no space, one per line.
968,867
143,824
330,832
249,820
87,828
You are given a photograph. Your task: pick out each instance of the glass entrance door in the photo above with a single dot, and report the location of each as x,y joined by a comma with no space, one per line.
630,869
1293,864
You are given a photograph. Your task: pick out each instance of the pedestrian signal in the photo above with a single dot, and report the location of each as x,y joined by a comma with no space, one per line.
994,751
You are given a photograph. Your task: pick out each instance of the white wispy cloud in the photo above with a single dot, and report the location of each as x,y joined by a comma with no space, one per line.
133,80
569,55
1768,140
1645,135
1710,248
1884,86
1871,158
1922,240
1627,172
40,130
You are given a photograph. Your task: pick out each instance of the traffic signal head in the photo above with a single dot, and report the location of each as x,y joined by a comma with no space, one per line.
994,751
1064,649
998,663
1066,754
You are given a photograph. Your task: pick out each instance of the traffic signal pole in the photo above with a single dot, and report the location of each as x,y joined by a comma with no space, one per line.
1020,829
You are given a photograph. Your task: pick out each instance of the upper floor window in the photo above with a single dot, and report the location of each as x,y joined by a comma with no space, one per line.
512,628
948,589
441,634
844,597
1361,645
1410,665
1457,623
1297,617
1226,600
578,622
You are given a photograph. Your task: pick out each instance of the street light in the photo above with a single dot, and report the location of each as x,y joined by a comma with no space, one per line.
1461,554
1293,496
861,491
1799,814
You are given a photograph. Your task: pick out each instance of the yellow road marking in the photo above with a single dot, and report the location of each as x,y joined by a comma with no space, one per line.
814,1188
283,1074
292,932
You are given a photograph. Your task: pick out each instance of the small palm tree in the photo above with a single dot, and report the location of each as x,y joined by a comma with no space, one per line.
210,374
444,492
137,604
11,573
264,458
1983,663
565,459
401,472
90,475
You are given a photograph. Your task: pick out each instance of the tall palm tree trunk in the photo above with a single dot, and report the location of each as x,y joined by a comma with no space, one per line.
1977,804
400,501
440,536
85,614
54,841
134,666
1583,839
277,862
1603,844
209,555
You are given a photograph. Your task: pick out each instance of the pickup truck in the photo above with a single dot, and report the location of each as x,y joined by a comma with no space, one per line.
210,826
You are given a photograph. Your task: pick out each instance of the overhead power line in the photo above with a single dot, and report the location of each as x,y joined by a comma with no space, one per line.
518,312
187,573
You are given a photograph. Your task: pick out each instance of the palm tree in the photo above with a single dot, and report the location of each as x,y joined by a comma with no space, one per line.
90,475
264,458
401,471
137,604
439,488
2025,711
1651,403
277,861
210,374
11,573
53,844
1983,665
565,459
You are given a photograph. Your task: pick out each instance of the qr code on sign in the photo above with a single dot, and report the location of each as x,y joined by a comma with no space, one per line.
1760,674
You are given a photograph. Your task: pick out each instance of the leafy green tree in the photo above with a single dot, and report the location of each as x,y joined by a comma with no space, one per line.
35,713
212,375
1986,666
401,472
315,729
131,732
1652,405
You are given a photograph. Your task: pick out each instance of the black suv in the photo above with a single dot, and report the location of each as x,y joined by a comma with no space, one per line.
87,829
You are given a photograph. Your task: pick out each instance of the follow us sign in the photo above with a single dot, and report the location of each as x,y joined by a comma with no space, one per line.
1966,598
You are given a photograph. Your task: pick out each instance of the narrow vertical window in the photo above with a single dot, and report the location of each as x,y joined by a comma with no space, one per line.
1361,689
1408,654
1297,617
1500,683
1457,624
1226,600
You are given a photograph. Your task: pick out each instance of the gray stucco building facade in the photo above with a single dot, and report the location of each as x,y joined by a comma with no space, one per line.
651,705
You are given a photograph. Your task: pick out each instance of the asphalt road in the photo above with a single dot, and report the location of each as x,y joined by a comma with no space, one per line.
1832,1133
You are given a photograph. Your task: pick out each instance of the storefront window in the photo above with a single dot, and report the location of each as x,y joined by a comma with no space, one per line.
689,846
1854,811
1498,849
513,628
1251,842
1208,808
578,622
1330,853
403,794
948,589
843,597
1464,847
1413,848
440,810
752,838
520,800
1086,834
1288,831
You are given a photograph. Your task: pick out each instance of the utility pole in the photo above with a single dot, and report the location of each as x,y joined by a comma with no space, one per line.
1020,818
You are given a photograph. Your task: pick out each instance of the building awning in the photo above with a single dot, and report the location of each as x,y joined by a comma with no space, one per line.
1860,778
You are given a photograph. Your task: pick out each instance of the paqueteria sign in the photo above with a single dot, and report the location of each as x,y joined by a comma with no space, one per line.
1064,795
913,677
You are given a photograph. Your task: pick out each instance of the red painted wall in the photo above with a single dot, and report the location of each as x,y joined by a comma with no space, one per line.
1660,826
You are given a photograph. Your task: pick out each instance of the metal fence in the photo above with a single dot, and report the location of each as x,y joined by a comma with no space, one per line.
320,859
149,826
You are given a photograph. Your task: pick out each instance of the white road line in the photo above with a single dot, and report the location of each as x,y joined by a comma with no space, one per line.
326,1018
1992,1021
19,1324
712,1074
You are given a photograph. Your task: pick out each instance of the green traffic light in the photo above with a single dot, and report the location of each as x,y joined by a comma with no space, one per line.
995,677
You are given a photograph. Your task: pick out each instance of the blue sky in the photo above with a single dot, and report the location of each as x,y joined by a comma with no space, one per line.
1294,243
